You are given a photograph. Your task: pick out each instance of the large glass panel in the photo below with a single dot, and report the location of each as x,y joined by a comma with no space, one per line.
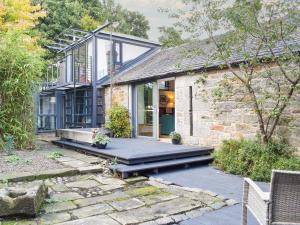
103,56
47,117
69,66
131,52
82,63
78,113
145,110
89,61
61,71
76,64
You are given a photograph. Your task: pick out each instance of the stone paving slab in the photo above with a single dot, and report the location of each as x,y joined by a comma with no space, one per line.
59,206
154,212
90,169
100,199
75,163
54,218
122,205
95,220
156,198
109,180
110,187
66,196
83,184
91,210
134,180
59,187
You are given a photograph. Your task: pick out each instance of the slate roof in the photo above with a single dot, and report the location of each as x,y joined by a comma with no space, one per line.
181,59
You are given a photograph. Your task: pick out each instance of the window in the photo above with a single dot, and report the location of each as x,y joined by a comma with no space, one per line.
47,116
89,61
131,52
82,64
78,113
69,66
103,55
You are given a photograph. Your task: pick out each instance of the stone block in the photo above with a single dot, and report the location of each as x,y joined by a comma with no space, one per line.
122,205
54,218
91,169
66,196
85,184
102,219
92,210
58,206
22,200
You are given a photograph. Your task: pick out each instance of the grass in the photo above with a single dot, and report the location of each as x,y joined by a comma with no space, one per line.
15,159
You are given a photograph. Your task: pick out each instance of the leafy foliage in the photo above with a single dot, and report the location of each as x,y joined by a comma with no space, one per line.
244,30
117,121
14,159
87,15
170,37
101,139
20,67
175,136
55,155
19,15
254,159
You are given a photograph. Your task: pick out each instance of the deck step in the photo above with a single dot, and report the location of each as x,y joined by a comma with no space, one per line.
125,170
138,158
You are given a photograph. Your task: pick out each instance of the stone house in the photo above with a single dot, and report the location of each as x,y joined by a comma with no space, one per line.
159,88
197,118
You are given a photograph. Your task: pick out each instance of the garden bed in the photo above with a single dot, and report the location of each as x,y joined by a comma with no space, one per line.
26,161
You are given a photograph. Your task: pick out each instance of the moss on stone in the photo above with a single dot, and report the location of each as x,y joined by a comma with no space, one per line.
144,191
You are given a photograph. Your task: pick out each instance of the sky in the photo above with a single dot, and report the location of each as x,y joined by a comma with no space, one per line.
149,8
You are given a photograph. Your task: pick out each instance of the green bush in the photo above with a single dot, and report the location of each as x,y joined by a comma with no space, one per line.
254,159
118,122
20,68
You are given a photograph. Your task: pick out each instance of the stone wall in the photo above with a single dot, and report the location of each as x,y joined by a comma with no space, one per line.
236,119
120,96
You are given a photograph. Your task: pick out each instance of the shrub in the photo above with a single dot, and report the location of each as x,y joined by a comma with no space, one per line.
118,122
101,139
254,159
175,136
20,68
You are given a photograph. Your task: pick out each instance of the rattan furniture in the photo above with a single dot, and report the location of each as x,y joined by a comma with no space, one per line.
280,206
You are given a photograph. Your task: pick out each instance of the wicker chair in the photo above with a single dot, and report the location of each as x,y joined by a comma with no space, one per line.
280,206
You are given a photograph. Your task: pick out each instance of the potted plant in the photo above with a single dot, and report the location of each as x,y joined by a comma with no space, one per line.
175,137
100,140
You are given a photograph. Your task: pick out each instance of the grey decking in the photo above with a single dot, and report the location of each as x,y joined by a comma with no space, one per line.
125,170
139,155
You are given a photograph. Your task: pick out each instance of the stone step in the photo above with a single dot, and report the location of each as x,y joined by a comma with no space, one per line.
126,170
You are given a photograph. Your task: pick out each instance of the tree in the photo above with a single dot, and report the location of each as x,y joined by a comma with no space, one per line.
87,15
20,66
262,36
170,37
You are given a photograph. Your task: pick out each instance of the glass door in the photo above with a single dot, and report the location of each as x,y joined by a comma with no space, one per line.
146,110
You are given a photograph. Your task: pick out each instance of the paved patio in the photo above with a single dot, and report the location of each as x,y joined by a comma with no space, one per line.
102,198
227,185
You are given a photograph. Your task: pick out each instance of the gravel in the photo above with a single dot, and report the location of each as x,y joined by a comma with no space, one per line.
30,161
